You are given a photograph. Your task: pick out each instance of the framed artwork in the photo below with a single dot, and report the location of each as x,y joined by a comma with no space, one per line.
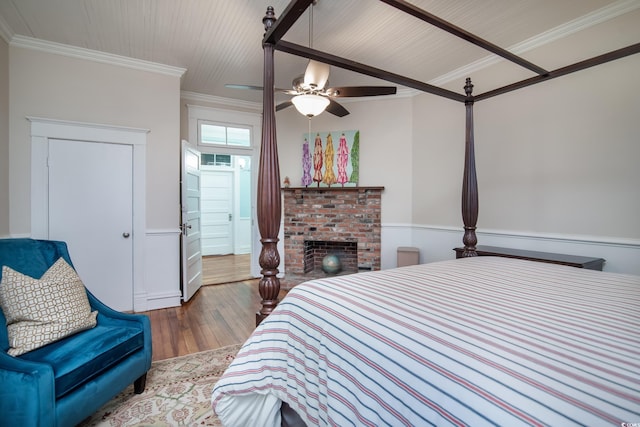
331,159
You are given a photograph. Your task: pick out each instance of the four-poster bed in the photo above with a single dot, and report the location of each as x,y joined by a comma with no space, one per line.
476,341
269,205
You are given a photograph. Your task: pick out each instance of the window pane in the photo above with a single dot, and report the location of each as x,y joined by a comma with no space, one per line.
238,136
212,134
207,159
215,159
223,160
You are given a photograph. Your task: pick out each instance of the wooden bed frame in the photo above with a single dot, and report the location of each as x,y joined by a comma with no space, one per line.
269,197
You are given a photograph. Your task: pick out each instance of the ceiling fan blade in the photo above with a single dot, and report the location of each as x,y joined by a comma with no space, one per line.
316,75
355,91
283,105
251,87
336,109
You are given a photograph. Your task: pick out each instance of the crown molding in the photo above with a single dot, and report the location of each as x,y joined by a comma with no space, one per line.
603,14
94,55
227,102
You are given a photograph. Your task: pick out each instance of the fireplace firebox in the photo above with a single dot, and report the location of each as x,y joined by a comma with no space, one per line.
315,251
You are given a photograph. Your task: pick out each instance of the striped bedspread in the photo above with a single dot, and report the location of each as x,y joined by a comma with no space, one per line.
475,342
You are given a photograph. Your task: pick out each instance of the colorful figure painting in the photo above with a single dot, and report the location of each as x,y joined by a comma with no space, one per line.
343,159
317,160
306,164
326,159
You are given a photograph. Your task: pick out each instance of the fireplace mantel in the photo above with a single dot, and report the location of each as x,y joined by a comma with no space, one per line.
336,188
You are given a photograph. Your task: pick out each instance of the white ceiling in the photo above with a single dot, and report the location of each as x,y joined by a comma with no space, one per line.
219,41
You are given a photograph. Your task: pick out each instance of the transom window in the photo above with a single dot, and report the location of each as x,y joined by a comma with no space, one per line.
217,134
207,159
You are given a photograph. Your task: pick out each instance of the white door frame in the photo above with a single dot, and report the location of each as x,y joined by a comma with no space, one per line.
199,112
43,129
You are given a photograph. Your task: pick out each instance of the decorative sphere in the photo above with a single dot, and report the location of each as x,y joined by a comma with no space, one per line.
331,264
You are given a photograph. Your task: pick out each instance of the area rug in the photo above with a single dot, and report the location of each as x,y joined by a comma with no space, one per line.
178,393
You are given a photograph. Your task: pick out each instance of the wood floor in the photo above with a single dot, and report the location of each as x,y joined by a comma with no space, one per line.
216,316
225,268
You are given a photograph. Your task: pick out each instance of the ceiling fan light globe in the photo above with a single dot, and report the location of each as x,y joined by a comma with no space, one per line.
310,105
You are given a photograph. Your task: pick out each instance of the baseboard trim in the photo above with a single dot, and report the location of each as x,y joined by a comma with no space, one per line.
161,300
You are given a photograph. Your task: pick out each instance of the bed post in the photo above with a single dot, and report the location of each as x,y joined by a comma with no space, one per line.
469,181
268,198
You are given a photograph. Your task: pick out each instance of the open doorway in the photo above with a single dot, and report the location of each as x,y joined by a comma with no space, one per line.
229,145
226,217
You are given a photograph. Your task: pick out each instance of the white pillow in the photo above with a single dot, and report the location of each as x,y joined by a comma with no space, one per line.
39,312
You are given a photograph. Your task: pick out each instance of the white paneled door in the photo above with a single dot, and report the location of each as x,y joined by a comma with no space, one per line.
191,245
217,212
91,208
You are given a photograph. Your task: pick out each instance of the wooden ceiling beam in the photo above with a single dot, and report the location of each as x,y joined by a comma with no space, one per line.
587,63
463,34
347,64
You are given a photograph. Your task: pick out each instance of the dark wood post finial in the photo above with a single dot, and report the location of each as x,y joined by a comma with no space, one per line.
269,18
468,88
469,181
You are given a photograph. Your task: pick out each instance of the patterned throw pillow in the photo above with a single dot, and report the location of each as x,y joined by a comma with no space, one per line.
42,311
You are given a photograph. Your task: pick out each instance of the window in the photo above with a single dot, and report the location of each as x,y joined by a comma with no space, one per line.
207,159
215,134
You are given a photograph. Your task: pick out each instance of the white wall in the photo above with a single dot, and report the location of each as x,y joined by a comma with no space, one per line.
572,150
546,180
557,167
62,87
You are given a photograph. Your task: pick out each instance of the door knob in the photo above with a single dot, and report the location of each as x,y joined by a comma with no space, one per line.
184,227
126,235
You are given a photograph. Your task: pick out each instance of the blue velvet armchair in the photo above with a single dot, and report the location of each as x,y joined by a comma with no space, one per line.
66,381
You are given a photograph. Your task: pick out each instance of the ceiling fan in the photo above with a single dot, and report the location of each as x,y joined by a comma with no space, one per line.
311,96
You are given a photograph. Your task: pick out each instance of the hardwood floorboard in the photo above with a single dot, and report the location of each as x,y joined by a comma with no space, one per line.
216,316
226,268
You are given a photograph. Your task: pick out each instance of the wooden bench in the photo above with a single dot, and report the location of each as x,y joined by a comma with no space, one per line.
570,260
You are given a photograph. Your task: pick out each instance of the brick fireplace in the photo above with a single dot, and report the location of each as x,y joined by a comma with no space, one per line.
318,221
